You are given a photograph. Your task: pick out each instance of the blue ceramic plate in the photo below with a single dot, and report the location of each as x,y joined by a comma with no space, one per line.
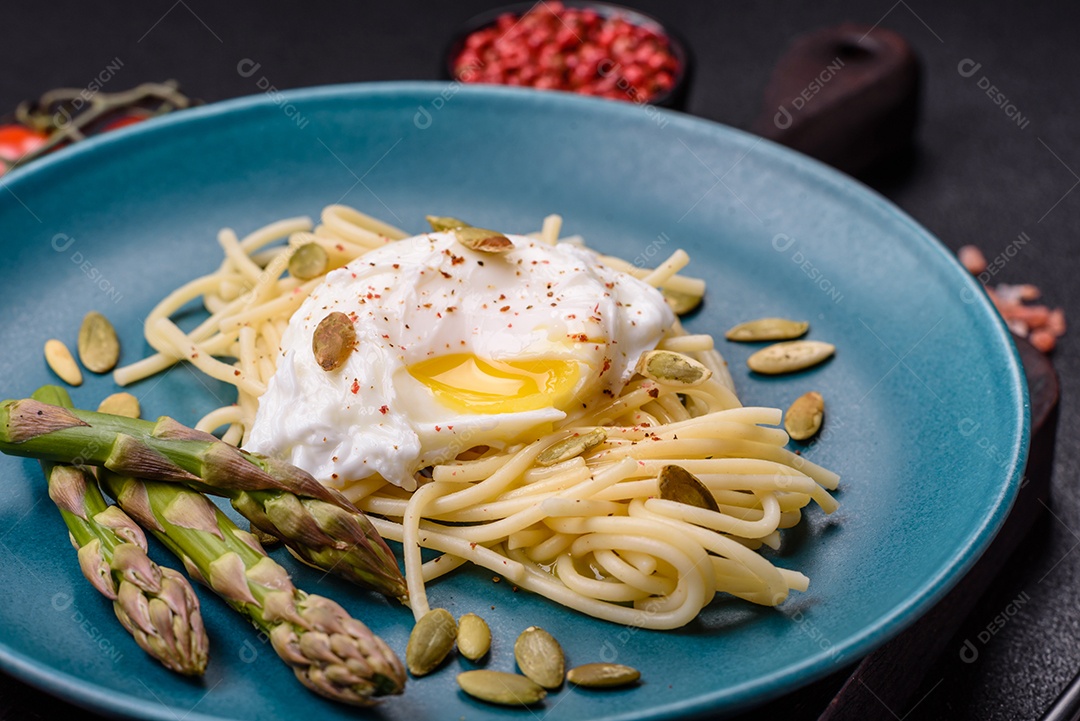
927,410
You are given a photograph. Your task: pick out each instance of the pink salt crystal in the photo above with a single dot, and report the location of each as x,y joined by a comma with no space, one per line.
1043,340
972,258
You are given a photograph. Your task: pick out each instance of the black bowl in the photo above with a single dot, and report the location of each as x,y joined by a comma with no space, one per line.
674,98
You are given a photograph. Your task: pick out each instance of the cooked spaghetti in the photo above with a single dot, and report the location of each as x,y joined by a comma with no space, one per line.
588,527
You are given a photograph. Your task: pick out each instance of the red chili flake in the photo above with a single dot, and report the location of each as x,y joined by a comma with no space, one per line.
504,309
340,247
384,409
236,373
438,429
355,386
654,392
607,366
445,274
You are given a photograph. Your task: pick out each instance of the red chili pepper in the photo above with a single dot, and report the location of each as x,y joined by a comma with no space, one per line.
18,140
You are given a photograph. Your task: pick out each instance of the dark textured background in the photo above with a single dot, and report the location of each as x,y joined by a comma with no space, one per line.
976,178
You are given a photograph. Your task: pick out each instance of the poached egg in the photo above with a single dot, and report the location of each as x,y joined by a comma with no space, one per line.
455,348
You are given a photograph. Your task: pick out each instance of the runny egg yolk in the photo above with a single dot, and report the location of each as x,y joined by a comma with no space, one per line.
463,382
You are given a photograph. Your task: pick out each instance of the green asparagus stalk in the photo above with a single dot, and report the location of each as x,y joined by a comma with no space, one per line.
156,604
330,652
316,523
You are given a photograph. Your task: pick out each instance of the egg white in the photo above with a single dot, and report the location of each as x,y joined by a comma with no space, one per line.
430,297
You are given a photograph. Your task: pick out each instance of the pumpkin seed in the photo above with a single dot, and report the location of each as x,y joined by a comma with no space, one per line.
473,637
768,329
671,368
803,419
432,638
680,485
440,223
508,689
62,363
486,241
602,675
681,303
99,348
333,341
540,657
790,357
121,404
308,261
571,447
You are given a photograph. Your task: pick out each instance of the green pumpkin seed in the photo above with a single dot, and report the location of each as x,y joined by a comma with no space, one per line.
681,303
790,357
680,485
540,657
473,637
432,638
308,261
333,341
602,675
486,241
571,447
440,223
62,362
768,329
671,368
120,404
508,689
99,348
803,419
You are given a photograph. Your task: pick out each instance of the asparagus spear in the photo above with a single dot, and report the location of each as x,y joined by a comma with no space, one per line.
154,603
330,652
318,525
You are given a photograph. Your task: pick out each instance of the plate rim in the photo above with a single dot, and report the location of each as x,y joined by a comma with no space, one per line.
89,695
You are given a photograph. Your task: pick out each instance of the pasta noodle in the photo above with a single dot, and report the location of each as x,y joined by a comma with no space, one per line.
591,532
